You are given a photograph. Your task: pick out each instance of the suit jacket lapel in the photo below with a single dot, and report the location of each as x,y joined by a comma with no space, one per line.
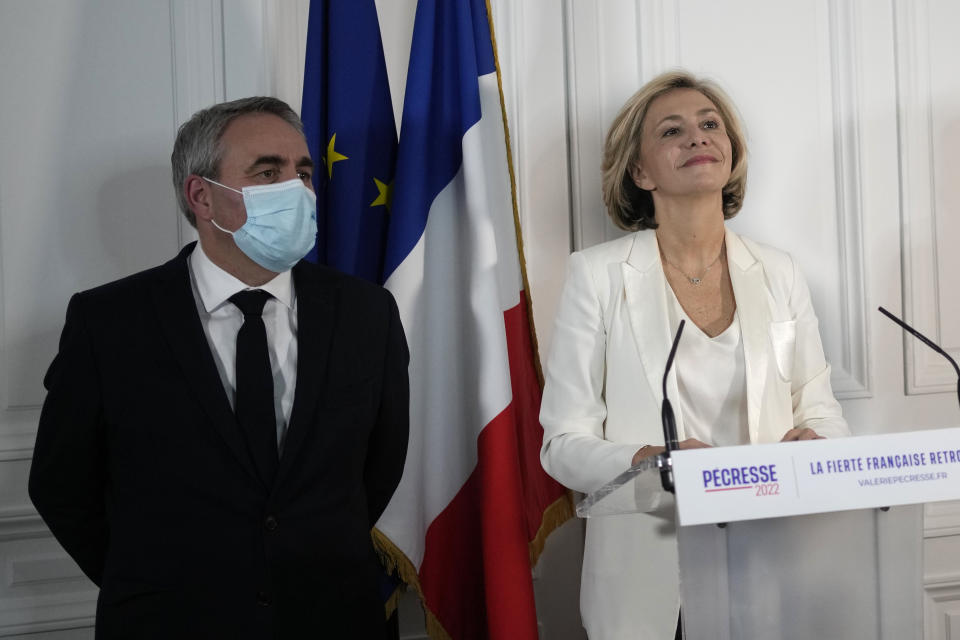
316,315
644,288
753,307
180,324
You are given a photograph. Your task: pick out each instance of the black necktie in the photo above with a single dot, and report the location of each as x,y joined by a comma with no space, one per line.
254,403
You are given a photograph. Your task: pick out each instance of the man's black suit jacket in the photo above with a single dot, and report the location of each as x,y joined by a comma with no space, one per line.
142,473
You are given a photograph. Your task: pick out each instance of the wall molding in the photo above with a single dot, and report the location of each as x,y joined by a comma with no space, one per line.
941,606
196,27
21,523
598,80
924,370
941,583
43,569
29,602
851,374
18,435
579,103
285,40
659,40
941,519
197,63
82,620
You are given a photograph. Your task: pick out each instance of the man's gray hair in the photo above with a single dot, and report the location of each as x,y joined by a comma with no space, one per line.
197,149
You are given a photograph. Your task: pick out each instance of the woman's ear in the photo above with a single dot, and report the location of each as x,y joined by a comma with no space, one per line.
639,177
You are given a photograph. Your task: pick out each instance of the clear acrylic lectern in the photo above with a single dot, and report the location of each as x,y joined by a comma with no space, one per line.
850,574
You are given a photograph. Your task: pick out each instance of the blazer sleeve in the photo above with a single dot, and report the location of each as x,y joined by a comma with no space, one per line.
387,446
814,405
573,409
68,476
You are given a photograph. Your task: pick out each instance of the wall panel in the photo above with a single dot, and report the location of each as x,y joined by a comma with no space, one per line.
94,92
929,101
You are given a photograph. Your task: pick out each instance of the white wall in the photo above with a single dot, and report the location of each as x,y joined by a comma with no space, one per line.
86,124
852,110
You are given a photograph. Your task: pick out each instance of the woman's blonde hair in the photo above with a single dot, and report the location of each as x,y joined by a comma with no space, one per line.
629,206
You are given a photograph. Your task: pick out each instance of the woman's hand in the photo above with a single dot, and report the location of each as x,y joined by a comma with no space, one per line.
649,451
801,433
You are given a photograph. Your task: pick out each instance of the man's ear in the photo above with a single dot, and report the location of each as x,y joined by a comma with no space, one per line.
640,178
198,192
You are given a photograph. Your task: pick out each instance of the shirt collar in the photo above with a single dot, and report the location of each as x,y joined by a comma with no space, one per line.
215,285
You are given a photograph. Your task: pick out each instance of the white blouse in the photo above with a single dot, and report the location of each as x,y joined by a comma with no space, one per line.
712,381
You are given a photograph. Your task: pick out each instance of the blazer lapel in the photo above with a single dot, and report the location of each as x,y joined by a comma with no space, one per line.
316,314
180,324
750,291
644,288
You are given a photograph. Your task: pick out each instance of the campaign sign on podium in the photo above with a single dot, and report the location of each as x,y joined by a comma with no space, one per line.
816,476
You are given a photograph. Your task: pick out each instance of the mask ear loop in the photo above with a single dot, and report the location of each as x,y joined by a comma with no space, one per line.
212,221
222,185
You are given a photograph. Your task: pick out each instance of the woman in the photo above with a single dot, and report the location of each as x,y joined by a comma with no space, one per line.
750,366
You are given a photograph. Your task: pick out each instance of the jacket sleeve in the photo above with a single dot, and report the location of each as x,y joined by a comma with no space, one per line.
68,476
814,405
387,446
573,410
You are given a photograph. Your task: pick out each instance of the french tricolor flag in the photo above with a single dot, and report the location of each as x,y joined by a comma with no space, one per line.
474,506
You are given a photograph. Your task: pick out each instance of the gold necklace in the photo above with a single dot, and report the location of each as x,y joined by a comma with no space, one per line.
695,281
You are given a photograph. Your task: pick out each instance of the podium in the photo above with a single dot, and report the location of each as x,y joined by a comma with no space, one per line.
798,540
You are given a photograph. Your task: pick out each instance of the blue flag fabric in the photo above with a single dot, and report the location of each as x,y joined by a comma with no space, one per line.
440,103
349,123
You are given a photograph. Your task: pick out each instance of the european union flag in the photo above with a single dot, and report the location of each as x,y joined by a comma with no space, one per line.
349,122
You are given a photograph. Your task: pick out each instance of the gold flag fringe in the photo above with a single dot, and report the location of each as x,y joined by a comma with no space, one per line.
390,606
553,516
393,559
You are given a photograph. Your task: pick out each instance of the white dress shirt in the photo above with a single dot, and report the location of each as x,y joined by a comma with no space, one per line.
221,320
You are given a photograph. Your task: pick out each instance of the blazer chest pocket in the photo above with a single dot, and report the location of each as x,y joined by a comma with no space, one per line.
783,339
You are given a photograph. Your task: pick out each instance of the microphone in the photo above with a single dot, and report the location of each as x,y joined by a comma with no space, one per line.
927,341
666,412
669,421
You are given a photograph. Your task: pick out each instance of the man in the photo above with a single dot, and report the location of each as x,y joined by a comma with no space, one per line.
214,457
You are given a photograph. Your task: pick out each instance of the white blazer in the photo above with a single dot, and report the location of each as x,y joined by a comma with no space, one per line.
602,402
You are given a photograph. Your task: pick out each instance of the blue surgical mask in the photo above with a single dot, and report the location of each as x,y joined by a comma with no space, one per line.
281,224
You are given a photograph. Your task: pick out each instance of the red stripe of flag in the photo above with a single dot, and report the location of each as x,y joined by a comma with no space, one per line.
476,566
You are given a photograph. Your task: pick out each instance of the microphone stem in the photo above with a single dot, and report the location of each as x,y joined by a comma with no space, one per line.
927,341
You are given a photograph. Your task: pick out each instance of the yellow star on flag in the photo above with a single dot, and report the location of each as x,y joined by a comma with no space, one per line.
332,156
385,197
